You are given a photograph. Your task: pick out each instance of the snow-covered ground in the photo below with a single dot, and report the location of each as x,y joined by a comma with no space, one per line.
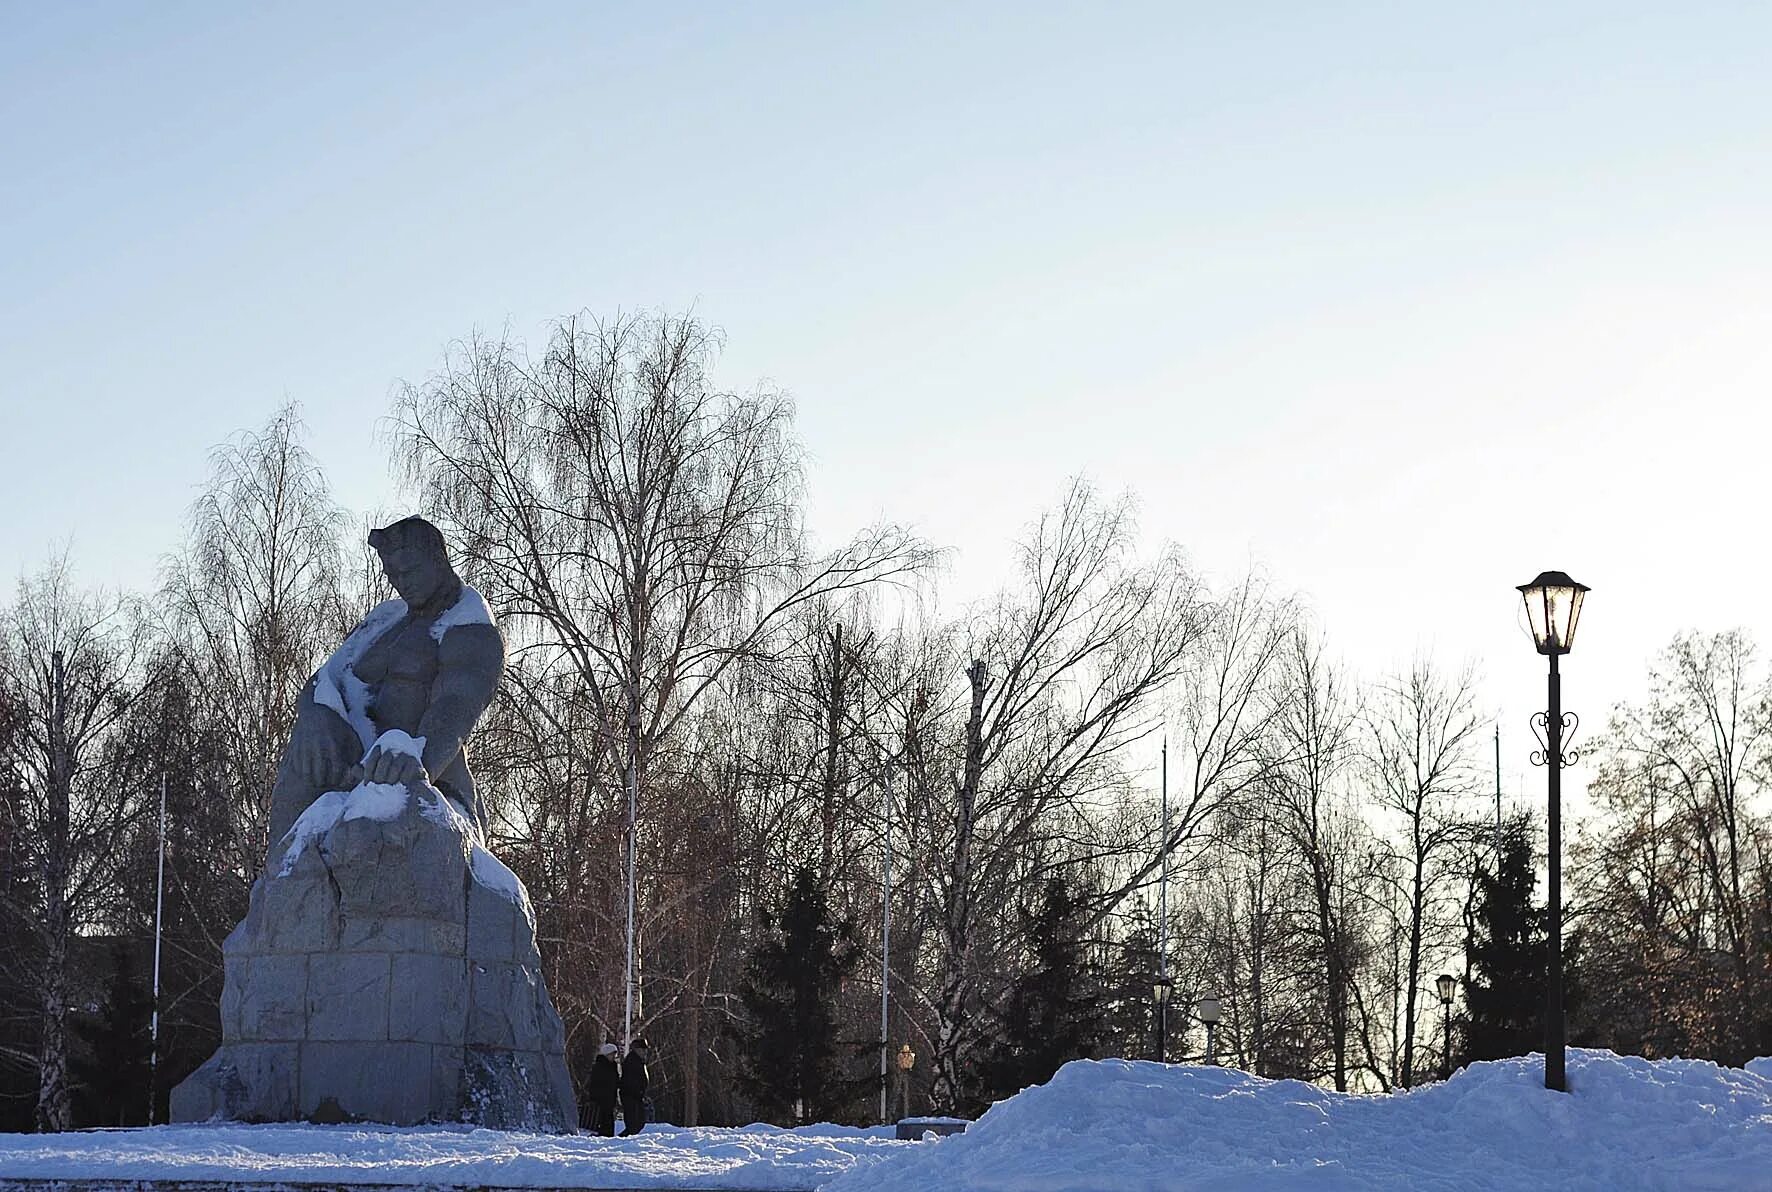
658,1157
1107,1126
1129,1126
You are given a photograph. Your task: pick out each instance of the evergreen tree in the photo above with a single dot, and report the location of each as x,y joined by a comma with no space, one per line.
112,1059
1058,1012
1504,998
791,1054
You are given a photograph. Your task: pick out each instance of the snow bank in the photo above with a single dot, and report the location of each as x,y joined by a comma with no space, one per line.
1133,1126
658,1157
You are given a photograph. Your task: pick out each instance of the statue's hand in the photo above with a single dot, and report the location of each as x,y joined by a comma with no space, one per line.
394,768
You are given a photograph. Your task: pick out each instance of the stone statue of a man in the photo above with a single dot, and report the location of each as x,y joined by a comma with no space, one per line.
426,663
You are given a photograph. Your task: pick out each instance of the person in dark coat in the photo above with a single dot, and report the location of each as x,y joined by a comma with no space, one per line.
600,1090
633,1088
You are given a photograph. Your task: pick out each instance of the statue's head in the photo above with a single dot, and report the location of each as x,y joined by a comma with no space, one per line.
415,560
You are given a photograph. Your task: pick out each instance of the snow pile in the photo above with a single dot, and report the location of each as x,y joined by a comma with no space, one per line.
1131,1126
658,1157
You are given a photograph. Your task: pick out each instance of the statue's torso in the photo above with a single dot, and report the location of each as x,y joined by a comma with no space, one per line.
399,670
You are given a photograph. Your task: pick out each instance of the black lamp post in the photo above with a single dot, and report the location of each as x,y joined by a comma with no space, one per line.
1209,1014
904,1062
1447,983
1160,986
1553,605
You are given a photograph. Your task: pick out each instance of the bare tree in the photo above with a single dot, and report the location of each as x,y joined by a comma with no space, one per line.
1313,742
640,526
1421,729
254,605
1674,880
1062,678
69,675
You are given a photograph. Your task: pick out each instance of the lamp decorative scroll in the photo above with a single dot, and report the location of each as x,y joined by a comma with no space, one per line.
1568,724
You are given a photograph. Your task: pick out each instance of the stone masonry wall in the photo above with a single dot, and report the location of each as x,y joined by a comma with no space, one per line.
386,971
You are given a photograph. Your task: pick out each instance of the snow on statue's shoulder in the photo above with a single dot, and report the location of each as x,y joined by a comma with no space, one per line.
468,609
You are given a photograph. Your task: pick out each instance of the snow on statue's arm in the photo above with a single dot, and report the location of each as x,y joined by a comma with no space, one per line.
470,662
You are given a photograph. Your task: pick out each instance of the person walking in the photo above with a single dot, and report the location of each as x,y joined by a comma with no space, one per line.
601,1090
633,1088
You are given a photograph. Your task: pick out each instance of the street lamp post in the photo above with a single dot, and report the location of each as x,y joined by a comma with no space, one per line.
905,1061
1209,1013
1447,983
1160,987
1553,606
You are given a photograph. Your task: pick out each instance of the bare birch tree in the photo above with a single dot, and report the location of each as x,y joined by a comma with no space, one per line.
1062,677
254,606
640,526
70,672
1421,730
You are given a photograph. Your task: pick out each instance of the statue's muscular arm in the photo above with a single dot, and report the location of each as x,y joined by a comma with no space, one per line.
470,663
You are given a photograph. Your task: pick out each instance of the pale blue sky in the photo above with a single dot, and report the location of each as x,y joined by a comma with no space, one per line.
1405,302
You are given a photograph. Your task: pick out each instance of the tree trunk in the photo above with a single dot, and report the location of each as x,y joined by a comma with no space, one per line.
951,1014
1412,978
54,1111
832,756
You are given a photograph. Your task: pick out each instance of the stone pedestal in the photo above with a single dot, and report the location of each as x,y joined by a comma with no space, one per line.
386,971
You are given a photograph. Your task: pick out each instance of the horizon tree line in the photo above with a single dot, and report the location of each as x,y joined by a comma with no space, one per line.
773,718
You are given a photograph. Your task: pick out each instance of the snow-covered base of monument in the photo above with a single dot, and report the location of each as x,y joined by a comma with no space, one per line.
1134,1126
386,971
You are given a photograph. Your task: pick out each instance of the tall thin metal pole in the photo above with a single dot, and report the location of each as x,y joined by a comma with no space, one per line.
627,1013
159,907
885,938
1498,793
1163,915
1553,1002
1446,1054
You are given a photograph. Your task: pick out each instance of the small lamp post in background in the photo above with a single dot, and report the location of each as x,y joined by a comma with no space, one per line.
1553,605
1209,1013
1160,987
1447,983
904,1061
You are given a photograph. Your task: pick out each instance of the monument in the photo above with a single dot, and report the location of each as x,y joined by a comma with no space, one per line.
386,969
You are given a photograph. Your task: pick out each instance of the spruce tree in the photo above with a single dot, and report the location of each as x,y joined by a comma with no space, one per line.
791,1052
1504,998
113,1057
1509,957
1058,1012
